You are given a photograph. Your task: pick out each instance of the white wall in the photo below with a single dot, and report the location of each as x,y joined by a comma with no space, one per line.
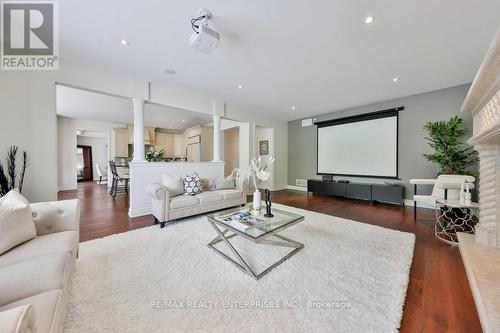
100,152
280,140
28,118
67,141
261,134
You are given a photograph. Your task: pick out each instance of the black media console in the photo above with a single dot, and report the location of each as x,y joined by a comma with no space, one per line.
393,194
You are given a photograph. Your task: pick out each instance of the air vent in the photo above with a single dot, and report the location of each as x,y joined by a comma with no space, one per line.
301,182
307,122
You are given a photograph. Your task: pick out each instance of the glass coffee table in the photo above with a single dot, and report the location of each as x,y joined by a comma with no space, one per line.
267,228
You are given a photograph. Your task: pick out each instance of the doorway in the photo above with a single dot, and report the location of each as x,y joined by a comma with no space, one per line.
231,150
84,163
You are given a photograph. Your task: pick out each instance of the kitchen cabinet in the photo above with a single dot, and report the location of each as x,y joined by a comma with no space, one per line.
165,141
179,145
125,137
149,135
121,142
199,144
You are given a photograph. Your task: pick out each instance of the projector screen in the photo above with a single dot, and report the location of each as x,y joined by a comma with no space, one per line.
359,146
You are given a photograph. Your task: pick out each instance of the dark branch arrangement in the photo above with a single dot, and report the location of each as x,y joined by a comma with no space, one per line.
8,180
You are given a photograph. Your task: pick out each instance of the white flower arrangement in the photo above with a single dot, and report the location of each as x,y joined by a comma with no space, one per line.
259,170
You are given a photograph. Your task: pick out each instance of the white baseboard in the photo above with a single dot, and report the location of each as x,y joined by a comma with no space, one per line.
66,188
139,212
296,188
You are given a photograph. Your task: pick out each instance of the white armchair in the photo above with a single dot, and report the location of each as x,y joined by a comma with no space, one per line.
100,173
444,187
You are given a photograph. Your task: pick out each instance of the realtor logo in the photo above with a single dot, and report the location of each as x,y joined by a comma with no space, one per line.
30,36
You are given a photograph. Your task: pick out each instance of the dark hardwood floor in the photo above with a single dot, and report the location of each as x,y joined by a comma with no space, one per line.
100,215
438,298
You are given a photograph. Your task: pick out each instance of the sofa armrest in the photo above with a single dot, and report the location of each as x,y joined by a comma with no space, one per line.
160,202
454,186
241,184
34,276
157,191
423,181
18,320
56,216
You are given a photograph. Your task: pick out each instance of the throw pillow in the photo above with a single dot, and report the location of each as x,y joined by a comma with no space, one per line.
192,184
173,183
16,221
224,183
208,184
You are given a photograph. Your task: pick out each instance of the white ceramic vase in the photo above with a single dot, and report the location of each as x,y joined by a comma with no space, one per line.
256,199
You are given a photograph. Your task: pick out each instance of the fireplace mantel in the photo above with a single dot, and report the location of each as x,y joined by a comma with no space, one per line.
481,253
483,101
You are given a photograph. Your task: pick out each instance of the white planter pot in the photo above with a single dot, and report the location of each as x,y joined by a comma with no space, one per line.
256,199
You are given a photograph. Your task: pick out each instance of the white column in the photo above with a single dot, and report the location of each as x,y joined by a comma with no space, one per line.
139,153
216,139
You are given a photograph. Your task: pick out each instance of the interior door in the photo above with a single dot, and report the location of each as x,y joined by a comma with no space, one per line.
84,163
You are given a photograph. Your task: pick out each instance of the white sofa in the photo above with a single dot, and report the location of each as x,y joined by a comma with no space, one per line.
35,276
166,207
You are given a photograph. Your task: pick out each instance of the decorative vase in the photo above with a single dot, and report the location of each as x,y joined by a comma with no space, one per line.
256,199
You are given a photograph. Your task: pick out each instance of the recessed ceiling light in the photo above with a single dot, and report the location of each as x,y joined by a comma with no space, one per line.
396,79
240,86
169,71
368,20
124,42
293,108
183,120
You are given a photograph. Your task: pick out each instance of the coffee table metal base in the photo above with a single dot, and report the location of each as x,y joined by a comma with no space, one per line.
241,263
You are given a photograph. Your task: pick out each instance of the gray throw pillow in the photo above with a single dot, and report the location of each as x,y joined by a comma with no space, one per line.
16,221
227,183
208,184
192,184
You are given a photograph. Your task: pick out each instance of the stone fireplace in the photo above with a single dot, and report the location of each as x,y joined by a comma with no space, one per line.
483,101
481,252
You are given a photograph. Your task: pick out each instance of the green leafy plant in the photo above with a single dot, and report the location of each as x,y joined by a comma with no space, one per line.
452,156
8,180
154,155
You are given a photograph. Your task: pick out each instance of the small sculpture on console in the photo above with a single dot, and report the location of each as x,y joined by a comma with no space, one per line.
268,203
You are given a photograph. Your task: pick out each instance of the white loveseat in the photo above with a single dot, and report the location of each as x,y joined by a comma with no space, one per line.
167,207
35,276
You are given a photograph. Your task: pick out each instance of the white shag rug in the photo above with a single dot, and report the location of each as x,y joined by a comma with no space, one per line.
349,277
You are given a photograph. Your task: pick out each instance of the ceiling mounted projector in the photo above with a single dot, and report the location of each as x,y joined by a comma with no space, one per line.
204,38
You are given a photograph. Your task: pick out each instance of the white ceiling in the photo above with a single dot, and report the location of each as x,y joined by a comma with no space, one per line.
316,55
82,104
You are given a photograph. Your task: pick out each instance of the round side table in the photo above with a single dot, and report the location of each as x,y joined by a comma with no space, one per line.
452,217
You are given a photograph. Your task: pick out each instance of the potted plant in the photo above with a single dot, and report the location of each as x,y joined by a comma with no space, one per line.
8,180
450,154
154,155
